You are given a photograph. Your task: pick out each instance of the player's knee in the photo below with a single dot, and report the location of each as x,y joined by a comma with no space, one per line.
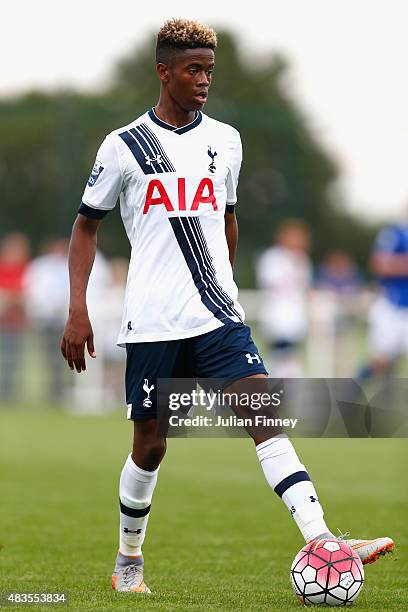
156,450
264,434
150,453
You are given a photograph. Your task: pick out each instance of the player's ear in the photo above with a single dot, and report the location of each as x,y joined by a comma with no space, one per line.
163,72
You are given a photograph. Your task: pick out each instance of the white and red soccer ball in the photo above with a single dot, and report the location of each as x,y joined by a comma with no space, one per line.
327,572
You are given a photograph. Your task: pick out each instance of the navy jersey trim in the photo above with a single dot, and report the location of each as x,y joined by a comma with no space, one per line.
230,208
92,213
172,128
155,145
212,295
137,152
147,150
203,254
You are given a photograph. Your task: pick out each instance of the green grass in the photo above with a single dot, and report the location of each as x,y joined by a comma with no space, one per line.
218,538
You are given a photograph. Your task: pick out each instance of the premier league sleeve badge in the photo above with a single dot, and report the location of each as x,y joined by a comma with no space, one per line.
95,174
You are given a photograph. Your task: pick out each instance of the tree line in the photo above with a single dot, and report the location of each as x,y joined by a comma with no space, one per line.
48,144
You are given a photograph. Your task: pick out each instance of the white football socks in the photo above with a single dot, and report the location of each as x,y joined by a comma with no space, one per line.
135,492
290,480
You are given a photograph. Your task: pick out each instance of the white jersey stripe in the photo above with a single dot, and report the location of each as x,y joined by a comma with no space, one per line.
137,152
203,269
204,245
207,253
145,154
158,144
196,272
210,273
136,132
223,307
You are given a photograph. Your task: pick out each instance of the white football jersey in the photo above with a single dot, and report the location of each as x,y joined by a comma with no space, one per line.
174,185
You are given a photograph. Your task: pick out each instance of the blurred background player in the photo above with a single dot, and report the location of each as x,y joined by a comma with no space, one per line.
14,258
46,292
93,394
46,295
339,275
388,316
338,300
110,313
284,272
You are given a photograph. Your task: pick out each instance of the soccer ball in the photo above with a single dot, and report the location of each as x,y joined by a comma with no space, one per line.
327,572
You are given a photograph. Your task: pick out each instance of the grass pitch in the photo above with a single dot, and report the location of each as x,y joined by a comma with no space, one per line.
218,538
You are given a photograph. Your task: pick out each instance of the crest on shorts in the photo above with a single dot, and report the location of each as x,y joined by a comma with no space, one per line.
147,402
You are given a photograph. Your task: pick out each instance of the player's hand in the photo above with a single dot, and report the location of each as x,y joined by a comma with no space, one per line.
77,333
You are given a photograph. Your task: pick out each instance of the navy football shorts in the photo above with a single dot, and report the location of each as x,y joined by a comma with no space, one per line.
224,353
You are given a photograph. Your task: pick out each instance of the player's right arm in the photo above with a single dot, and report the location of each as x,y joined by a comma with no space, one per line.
78,330
100,196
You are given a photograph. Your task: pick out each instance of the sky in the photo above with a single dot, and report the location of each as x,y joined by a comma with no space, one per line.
348,69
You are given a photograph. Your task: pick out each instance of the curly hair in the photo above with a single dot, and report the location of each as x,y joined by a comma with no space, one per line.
179,34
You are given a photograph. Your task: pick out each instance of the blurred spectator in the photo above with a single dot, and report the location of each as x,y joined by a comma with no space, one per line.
284,271
47,295
14,255
338,273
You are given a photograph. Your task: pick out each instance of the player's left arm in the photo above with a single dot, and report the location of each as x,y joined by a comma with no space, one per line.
231,233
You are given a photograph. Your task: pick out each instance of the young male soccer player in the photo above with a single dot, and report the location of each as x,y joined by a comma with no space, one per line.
176,172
